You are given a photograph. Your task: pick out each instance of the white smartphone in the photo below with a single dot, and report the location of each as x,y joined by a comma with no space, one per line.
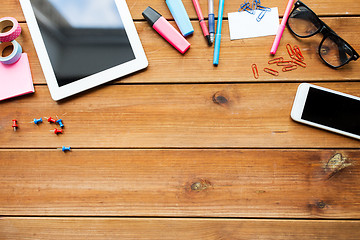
327,109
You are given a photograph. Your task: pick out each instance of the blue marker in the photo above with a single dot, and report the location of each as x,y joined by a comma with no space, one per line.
218,33
181,17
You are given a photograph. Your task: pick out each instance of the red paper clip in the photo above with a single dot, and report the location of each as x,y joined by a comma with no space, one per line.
300,63
289,68
285,63
255,71
298,53
290,50
275,60
271,71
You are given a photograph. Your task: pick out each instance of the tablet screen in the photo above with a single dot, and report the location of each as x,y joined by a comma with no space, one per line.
82,37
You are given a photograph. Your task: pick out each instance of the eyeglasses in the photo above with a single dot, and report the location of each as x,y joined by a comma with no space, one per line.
333,50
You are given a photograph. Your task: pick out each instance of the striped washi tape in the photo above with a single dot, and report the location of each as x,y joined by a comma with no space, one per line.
14,56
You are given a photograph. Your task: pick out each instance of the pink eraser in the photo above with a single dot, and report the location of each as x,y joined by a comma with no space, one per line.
15,79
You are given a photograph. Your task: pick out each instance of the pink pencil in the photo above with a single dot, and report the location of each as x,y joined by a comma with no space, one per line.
281,27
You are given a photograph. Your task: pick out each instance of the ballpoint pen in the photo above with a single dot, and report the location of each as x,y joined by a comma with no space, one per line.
211,21
202,21
281,27
218,33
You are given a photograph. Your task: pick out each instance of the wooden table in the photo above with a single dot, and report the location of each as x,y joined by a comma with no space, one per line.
184,150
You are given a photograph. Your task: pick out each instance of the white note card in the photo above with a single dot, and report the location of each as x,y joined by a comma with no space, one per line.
244,25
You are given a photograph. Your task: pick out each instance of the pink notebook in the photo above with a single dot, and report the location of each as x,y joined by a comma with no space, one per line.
15,79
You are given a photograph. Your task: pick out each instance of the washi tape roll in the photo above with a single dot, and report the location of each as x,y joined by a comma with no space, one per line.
14,55
11,34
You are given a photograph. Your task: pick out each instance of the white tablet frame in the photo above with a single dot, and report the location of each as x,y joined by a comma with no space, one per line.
57,93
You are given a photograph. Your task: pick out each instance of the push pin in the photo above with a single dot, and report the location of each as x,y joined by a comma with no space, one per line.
60,123
65,149
37,121
15,126
57,131
50,119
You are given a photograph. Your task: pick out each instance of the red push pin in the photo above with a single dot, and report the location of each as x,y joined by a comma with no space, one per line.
57,131
15,126
50,119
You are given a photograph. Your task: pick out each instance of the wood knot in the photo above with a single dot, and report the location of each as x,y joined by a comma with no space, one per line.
200,185
335,164
219,99
318,206
321,204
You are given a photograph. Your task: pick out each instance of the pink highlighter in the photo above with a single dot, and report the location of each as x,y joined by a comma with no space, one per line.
166,30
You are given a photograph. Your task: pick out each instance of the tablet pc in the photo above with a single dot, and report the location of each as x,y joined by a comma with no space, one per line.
83,43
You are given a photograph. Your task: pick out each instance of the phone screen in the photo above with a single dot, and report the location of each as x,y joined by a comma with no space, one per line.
332,110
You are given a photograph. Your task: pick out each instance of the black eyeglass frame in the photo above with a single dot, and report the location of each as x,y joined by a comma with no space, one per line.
326,31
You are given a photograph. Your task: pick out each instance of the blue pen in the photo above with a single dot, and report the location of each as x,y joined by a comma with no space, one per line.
211,20
218,33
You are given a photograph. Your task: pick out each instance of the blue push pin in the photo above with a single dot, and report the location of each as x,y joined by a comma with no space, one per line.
64,149
60,123
37,121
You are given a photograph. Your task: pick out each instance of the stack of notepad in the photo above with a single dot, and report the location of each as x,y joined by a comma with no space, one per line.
15,79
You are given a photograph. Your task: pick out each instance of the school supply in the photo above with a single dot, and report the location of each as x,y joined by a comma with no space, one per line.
245,25
250,8
37,121
12,33
166,30
296,60
65,149
15,79
255,70
14,56
211,20
281,27
14,125
181,17
202,21
218,33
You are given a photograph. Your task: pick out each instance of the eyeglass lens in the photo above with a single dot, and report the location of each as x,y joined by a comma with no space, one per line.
303,22
333,49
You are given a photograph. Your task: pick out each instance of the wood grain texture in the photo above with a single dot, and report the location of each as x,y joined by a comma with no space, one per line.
321,7
236,57
166,154
197,183
169,116
155,229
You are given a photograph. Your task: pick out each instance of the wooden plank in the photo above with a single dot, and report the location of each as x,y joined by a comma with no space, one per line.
321,7
11,8
169,116
195,229
235,61
184,183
